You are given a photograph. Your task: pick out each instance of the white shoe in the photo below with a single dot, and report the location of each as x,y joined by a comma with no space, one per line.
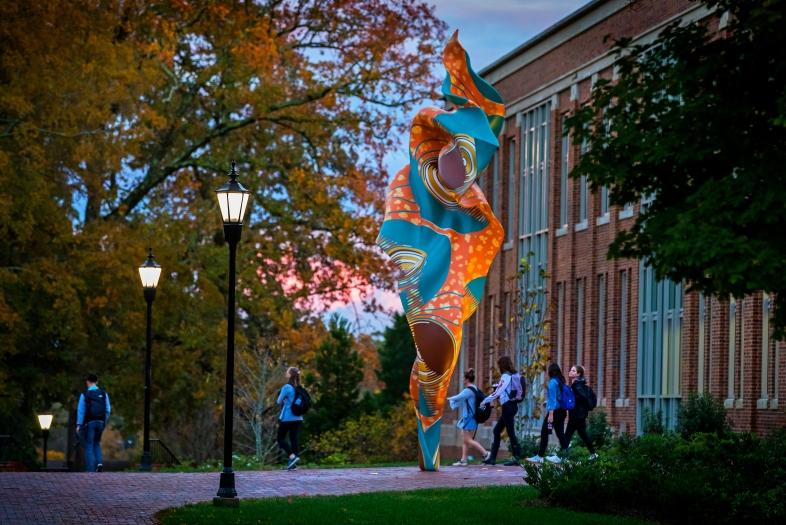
535,459
487,455
460,464
554,459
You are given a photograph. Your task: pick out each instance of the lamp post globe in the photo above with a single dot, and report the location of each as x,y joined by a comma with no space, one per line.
149,274
233,201
45,421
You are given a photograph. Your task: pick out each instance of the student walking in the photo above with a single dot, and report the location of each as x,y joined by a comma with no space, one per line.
467,401
555,414
507,398
586,400
92,414
294,403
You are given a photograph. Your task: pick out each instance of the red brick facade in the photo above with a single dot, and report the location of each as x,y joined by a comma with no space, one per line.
558,68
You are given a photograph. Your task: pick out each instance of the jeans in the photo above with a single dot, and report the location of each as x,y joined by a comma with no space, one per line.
580,426
292,428
559,430
505,421
93,431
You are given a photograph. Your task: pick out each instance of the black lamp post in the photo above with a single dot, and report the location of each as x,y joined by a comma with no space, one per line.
149,273
45,420
233,200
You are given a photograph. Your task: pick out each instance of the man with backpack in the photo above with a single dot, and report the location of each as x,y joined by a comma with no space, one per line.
92,414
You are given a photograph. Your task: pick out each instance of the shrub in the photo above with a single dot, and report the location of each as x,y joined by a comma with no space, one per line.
727,479
598,428
389,435
652,422
702,413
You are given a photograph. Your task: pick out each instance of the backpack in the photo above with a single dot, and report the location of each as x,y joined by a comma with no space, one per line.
566,398
482,414
302,401
517,385
590,396
95,405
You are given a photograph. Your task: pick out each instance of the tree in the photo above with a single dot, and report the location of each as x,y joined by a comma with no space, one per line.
338,370
696,126
396,355
117,120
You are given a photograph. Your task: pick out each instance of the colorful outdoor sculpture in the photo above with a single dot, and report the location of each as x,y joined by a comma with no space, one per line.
440,230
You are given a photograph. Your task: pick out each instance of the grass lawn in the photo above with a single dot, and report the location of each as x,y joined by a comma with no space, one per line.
475,506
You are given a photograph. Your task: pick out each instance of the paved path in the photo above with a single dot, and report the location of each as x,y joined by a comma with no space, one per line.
133,498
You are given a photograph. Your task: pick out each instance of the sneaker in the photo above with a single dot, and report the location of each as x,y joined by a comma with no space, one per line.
292,463
486,456
593,456
535,459
554,459
460,463
100,467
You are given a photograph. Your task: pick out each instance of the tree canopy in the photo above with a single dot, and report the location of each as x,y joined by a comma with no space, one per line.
118,118
695,128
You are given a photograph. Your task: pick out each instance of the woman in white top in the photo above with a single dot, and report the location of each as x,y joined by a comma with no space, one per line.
466,401
510,407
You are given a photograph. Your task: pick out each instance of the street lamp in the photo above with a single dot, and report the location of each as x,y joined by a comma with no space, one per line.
233,200
45,420
149,273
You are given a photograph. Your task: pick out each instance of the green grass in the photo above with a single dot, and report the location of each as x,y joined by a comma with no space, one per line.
470,506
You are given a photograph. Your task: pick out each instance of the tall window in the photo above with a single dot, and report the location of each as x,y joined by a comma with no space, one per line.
700,350
732,357
563,179
583,192
494,184
511,190
601,333
623,347
579,320
604,202
769,358
493,318
560,320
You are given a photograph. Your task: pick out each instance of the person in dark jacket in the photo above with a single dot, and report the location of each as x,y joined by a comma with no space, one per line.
92,414
585,402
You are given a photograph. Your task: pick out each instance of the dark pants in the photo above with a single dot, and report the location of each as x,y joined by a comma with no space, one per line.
92,440
505,421
293,429
580,426
559,430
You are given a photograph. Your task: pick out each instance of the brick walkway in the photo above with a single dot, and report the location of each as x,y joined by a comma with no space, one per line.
133,498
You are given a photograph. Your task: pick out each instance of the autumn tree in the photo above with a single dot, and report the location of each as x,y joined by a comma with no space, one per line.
396,355
695,129
117,121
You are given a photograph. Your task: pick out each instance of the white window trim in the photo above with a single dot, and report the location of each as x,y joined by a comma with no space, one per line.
581,226
603,219
625,213
562,231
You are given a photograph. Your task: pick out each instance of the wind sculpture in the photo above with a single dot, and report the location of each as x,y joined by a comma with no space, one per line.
440,230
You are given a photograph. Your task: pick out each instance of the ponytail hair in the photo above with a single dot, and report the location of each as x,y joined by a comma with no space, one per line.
505,364
579,369
294,376
469,375
555,372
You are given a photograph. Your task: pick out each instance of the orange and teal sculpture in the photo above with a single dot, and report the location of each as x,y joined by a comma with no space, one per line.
440,230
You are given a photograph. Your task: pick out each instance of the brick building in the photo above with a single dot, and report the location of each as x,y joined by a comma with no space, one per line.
646,344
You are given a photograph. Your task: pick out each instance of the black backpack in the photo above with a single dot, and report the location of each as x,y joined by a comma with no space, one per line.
302,401
95,405
589,396
482,414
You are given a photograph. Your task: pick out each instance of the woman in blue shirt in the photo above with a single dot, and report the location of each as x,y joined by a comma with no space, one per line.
555,416
466,401
289,423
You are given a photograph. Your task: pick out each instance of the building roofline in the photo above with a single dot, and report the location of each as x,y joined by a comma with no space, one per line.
552,31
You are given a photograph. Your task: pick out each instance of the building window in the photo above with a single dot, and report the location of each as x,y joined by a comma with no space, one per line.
579,321
583,193
732,356
702,323
604,204
492,349
560,320
601,333
563,179
623,332
626,211
769,358
494,184
511,190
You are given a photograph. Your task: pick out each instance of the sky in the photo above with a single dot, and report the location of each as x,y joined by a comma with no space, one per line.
488,30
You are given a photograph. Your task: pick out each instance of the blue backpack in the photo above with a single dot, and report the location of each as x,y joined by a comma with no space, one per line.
566,399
